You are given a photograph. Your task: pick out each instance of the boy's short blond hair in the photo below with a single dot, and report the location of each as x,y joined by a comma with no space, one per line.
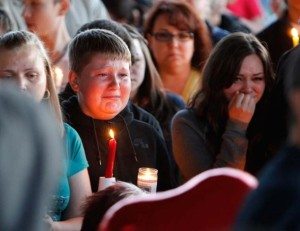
92,41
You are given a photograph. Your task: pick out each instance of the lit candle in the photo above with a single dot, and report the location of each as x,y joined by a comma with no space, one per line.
295,36
147,179
58,77
112,144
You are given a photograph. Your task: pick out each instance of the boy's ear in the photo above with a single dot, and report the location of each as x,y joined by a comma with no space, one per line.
64,6
73,80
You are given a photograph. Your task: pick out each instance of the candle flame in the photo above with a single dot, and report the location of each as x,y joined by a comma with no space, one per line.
111,133
294,32
58,77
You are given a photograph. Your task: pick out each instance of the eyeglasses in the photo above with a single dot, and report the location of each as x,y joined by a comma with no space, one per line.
182,36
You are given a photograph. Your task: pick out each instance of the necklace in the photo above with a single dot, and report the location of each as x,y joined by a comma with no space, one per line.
97,142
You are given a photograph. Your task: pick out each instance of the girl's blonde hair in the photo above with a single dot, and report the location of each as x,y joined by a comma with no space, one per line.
17,39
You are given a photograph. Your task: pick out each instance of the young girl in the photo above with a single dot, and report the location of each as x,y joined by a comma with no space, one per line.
25,61
224,125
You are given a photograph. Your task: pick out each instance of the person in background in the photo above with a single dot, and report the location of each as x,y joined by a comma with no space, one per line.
277,36
14,10
100,76
204,10
220,16
273,10
46,18
126,11
180,43
274,205
249,12
30,152
82,12
147,90
224,125
24,61
96,205
5,22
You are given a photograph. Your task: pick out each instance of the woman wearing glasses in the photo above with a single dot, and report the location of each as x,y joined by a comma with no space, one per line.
180,43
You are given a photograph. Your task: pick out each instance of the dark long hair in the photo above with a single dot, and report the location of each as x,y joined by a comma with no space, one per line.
219,73
183,16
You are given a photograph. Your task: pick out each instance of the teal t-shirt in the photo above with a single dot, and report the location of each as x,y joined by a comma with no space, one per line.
74,162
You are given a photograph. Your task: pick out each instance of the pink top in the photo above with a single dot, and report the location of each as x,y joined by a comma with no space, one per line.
248,9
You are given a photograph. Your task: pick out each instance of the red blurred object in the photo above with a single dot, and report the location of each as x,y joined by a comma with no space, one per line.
209,201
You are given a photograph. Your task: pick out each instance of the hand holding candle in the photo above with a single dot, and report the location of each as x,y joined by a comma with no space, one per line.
295,36
112,144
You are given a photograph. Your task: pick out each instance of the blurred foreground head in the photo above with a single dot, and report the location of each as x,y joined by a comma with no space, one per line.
29,151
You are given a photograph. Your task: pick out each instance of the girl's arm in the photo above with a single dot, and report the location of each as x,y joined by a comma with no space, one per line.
80,189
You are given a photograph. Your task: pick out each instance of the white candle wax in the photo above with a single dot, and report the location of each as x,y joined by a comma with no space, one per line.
147,179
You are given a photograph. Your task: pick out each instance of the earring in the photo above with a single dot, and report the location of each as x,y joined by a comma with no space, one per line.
47,94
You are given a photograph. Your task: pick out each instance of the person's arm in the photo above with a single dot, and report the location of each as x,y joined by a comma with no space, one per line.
233,147
72,224
80,189
189,149
193,153
79,182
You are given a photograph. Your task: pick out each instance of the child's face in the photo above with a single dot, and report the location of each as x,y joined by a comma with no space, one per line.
26,67
103,87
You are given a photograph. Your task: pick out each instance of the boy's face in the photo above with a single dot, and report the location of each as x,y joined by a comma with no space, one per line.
103,86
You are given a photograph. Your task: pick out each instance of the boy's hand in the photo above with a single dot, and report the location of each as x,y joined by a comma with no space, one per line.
241,107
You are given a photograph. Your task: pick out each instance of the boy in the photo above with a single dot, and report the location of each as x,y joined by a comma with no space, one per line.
100,76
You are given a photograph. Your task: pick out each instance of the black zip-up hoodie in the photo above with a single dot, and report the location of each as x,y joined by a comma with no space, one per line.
138,145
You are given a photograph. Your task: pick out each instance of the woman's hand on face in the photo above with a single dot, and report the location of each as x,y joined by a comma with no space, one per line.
241,107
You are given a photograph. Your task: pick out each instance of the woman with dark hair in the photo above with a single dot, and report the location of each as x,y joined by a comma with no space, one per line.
180,43
224,125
